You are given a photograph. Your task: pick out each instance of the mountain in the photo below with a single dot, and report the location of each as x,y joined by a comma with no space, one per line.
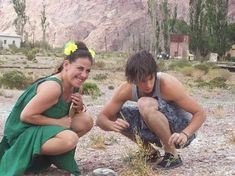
102,24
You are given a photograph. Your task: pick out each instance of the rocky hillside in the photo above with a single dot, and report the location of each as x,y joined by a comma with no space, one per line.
102,24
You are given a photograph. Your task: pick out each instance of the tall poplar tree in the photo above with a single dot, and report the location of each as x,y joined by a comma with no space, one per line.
21,19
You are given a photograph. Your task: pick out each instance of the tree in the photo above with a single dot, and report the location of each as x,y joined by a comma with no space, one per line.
231,33
152,11
173,20
180,27
198,33
209,27
166,25
163,22
217,20
169,19
44,24
21,19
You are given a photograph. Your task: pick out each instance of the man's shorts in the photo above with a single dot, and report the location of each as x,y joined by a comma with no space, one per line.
178,120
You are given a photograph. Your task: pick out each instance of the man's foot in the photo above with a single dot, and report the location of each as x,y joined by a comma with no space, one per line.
169,161
153,157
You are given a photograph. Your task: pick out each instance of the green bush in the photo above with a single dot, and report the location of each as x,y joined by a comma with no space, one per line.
110,87
179,64
203,66
31,53
89,88
188,70
100,77
99,64
218,82
161,65
15,79
214,73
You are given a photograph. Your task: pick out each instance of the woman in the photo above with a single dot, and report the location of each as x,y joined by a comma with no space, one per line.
39,132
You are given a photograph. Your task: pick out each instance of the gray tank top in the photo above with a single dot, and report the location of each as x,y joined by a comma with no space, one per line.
156,89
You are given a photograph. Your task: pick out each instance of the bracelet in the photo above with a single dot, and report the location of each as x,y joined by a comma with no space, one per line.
185,135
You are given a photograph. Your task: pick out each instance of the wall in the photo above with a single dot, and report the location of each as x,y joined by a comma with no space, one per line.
5,41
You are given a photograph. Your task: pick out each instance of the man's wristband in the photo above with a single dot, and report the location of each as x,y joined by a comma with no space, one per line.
185,135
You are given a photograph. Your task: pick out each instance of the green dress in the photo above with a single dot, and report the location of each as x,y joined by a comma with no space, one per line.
21,143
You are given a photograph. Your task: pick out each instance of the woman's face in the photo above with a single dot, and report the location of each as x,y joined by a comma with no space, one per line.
78,71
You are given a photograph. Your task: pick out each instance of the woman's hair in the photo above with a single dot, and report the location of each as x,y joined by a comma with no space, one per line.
81,52
139,66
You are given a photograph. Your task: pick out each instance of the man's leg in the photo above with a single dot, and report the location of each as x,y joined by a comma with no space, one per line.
134,132
156,121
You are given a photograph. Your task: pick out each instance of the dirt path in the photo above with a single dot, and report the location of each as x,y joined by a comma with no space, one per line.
212,153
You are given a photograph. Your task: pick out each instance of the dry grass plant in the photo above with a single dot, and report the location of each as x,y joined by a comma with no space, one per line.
97,141
135,160
230,134
219,111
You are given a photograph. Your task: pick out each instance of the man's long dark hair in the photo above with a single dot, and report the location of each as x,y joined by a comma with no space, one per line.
139,66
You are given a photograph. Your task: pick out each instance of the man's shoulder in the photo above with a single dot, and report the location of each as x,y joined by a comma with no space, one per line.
124,91
167,78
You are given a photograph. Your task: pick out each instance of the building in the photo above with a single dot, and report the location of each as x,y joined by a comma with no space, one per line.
179,46
232,51
8,40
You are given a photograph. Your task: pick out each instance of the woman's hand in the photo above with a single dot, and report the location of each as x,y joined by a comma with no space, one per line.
65,122
119,125
77,101
178,139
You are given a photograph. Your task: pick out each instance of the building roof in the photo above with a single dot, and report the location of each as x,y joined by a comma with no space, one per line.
9,35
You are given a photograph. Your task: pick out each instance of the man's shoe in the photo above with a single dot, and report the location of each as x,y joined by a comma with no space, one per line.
153,157
169,161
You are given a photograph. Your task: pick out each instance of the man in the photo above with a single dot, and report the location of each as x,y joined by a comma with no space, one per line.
164,114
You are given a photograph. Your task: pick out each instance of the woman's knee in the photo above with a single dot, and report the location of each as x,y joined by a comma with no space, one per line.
70,138
82,122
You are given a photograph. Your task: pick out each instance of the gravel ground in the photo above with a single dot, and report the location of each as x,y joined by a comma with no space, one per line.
211,153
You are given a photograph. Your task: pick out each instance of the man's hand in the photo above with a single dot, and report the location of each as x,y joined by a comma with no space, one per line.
178,139
119,125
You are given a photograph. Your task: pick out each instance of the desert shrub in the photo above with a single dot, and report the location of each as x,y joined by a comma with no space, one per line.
110,87
5,52
135,161
15,79
100,77
99,64
13,48
203,66
188,70
229,58
1,92
161,65
30,54
198,74
89,88
179,64
218,82
97,141
214,73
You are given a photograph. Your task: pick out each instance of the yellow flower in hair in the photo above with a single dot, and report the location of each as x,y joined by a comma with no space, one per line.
69,48
92,52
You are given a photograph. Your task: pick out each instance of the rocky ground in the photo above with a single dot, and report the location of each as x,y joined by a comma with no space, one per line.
212,153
